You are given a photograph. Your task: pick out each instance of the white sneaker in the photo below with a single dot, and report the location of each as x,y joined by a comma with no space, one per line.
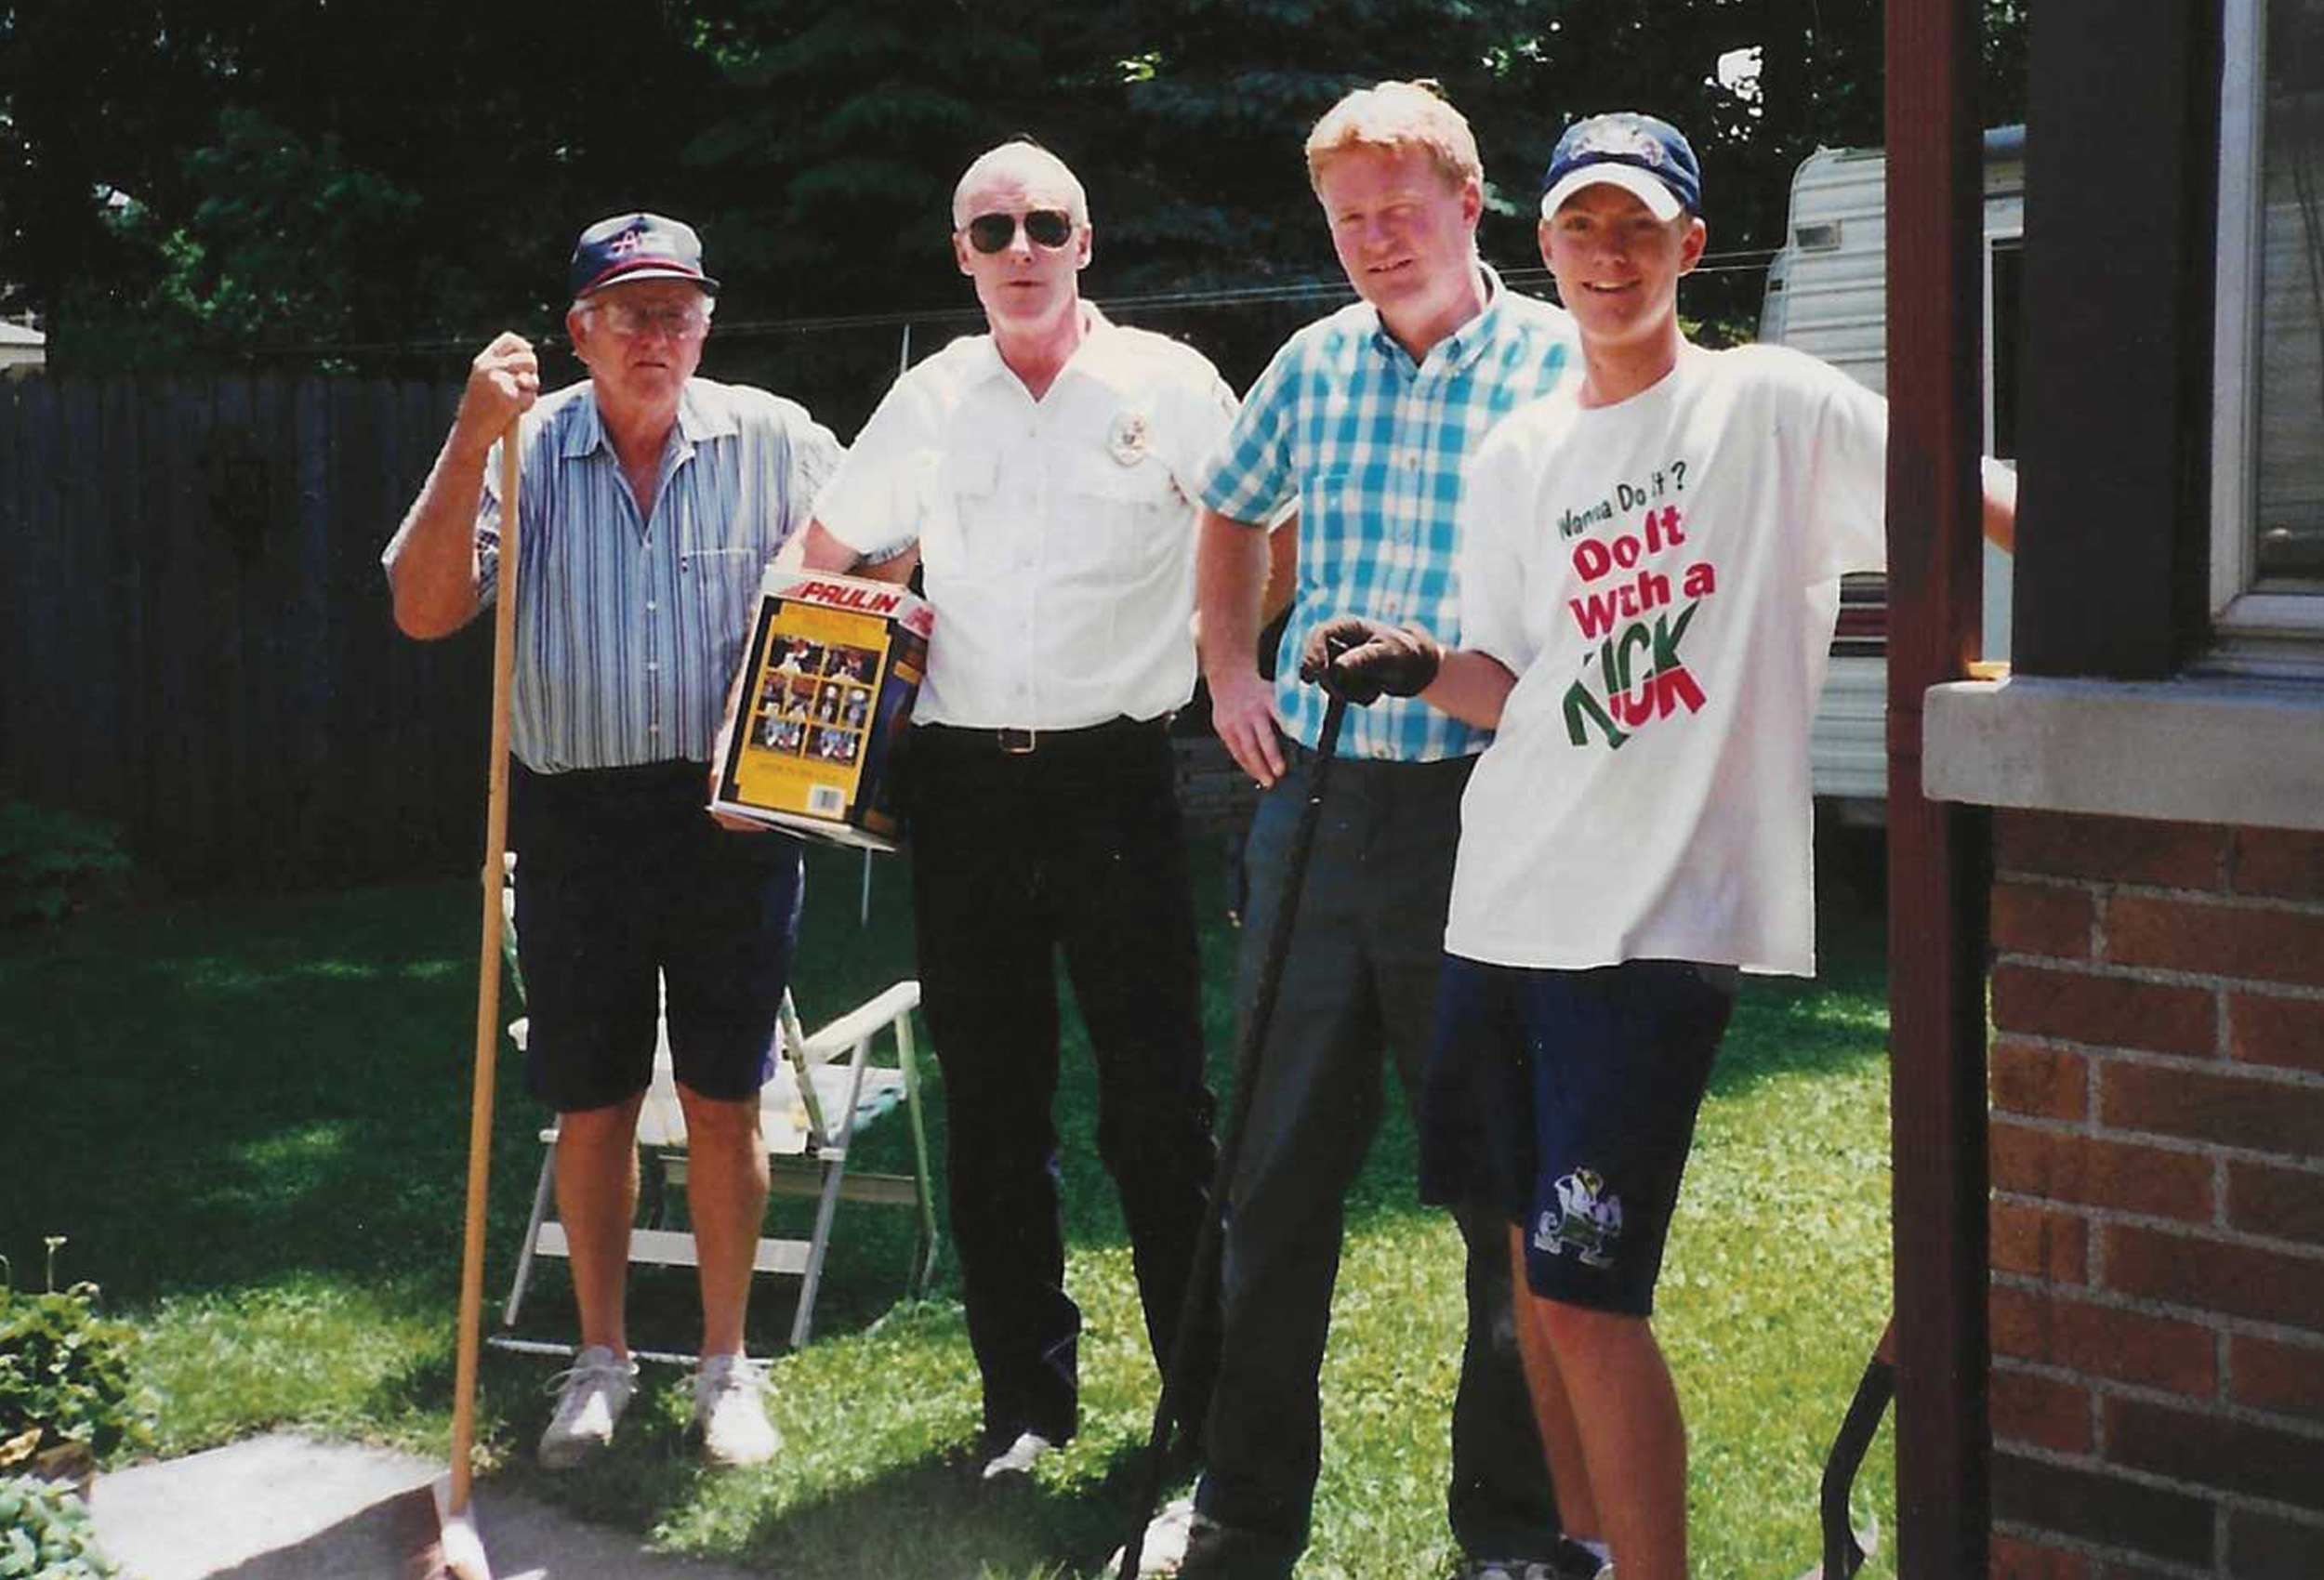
730,1412
1017,1459
1163,1551
591,1398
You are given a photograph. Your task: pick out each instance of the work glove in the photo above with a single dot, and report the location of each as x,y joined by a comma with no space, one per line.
1362,660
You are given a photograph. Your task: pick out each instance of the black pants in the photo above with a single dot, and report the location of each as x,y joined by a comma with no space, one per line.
1074,847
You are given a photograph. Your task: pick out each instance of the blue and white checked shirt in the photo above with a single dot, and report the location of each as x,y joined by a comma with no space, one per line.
629,630
1374,448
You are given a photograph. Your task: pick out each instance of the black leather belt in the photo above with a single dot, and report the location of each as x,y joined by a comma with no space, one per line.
1019,743
1301,755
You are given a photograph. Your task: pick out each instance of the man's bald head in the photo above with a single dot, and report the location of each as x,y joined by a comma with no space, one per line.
1028,163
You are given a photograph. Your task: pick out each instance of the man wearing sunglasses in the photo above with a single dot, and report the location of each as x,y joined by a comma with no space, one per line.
1044,473
652,501
1366,419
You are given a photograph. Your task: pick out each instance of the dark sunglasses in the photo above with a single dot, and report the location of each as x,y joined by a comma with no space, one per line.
1051,227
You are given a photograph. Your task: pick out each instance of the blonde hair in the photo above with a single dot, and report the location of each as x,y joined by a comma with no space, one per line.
1394,116
1020,157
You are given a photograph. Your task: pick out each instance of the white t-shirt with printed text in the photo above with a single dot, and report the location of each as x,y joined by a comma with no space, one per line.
1663,576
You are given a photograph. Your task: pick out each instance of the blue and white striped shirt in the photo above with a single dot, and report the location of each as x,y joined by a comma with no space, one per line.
1374,447
628,629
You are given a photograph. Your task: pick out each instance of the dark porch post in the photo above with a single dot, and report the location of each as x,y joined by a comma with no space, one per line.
1936,853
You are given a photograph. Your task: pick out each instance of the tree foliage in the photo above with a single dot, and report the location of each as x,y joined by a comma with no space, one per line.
203,178
214,175
835,173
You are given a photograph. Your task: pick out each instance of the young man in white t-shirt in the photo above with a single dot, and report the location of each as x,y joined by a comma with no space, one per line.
1650,571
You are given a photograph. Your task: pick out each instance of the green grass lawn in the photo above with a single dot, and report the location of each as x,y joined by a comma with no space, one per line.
250,1117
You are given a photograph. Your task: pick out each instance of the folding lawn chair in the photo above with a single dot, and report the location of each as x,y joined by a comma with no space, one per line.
827,1090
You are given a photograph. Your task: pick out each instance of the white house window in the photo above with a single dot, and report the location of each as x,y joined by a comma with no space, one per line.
2267,547
2004,320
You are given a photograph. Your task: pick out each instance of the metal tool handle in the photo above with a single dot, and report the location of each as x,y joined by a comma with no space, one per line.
1202,1278
1845,1548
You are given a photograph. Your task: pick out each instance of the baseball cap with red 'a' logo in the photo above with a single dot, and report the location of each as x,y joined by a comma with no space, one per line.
637,246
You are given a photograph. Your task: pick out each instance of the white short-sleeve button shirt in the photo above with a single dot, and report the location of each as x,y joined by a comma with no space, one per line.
1057,535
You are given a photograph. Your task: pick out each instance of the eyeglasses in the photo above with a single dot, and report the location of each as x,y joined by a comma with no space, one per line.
1051,227
629,321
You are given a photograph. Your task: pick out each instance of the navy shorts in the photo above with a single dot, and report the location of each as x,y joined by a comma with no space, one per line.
621,874
1569,1098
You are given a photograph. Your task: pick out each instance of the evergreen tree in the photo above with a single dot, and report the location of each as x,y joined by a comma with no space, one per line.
206,178
197,178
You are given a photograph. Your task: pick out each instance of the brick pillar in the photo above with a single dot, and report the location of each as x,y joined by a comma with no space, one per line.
2157,1166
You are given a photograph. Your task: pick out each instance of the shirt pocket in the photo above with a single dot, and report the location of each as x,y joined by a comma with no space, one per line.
724,531
1331,522
722,579
1122,524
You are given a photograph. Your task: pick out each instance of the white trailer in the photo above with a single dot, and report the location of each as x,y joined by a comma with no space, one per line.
1826,295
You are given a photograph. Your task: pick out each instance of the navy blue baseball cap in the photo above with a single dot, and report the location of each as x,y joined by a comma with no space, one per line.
637,246
1649,159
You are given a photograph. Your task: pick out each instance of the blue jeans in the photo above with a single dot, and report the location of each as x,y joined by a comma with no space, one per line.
1361,975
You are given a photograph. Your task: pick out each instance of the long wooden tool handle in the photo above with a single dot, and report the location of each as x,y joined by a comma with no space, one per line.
479,1131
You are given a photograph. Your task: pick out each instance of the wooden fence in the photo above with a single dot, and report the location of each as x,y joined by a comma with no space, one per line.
196,635
197,643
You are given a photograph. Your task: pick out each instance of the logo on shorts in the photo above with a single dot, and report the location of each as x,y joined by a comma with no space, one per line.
1588,1221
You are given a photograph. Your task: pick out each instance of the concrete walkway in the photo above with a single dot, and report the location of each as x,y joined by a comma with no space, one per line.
286,1508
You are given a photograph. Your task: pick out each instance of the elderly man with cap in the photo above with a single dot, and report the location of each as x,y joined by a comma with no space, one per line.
1044,472
653,501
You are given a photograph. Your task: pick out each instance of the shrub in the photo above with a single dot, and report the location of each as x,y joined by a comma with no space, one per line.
65,1375
55,862
45,1533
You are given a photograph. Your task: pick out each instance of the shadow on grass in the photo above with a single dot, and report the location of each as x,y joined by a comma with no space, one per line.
225,1092
228,1099
924,1515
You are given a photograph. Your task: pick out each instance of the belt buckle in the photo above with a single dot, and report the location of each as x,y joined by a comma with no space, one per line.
1019,742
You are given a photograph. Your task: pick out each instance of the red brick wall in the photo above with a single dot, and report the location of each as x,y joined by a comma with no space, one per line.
2158,1151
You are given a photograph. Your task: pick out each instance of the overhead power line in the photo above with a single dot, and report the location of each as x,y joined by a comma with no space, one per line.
1320,293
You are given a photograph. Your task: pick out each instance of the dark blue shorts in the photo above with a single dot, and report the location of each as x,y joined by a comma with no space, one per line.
621,874
1569,1098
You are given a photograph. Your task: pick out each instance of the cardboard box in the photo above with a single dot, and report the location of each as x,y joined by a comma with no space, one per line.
833,668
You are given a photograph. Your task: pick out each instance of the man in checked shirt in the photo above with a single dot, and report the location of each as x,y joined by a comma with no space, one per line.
651,502
1365,419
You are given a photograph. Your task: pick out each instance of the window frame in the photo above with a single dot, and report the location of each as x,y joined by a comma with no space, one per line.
2255,631
1999,571
2012,237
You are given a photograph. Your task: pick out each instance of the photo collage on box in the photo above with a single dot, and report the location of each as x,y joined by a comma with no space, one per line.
815,700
